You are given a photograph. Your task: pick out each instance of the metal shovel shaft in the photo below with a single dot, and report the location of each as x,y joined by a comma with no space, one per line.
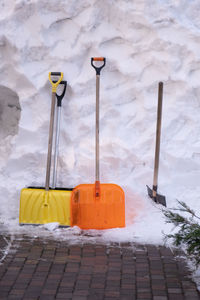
158,134
48,169
97,126
55,163
98,71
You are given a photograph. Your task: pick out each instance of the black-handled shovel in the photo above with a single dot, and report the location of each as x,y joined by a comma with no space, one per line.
98,71
51,126
160,199
57,131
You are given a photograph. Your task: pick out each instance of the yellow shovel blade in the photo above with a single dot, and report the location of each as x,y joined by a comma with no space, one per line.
38,206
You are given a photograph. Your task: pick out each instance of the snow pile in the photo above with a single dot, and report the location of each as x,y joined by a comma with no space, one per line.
144,42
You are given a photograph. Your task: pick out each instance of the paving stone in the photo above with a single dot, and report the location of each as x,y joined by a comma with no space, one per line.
176,297
38,269
191,294
113,293
79,298
64,296
174,290
17,292
159,292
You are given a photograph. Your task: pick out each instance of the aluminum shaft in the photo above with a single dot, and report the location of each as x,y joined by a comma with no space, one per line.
97,126
56,146
48,169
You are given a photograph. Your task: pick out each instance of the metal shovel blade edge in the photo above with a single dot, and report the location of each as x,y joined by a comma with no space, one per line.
160,199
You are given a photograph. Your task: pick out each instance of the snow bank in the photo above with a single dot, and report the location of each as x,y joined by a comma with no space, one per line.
144,42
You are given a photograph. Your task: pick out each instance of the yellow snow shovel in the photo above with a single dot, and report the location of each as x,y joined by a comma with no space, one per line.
46,205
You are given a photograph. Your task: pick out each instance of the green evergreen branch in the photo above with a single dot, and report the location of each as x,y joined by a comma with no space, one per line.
188,233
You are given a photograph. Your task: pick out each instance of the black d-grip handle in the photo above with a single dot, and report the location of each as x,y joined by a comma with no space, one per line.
98,69
56,73
60,97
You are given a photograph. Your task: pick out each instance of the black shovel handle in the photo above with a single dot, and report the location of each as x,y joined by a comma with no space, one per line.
60,97
56,74
98,69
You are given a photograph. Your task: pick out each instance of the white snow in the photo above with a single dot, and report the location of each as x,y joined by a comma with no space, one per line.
51,226
7,248
196,276
144,42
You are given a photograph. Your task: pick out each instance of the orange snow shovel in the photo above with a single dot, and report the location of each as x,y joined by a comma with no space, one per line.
98,206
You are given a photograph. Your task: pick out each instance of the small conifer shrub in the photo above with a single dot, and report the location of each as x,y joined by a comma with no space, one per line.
187,223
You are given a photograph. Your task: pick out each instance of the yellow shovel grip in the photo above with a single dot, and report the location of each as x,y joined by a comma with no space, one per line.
55,85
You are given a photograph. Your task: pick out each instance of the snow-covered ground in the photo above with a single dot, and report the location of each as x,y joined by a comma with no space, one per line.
144,42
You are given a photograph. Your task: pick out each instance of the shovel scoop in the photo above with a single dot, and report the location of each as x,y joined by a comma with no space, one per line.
102,211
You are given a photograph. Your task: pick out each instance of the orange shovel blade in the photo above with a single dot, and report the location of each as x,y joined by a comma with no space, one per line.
103,212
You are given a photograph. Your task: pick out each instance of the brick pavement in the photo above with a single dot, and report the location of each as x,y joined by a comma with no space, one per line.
40,269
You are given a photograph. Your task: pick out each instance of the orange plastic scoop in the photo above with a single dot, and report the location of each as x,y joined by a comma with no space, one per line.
99,205
90,212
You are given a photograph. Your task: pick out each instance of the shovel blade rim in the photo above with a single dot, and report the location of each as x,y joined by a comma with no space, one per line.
159,199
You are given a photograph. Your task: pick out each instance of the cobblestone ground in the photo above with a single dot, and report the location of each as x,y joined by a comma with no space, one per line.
48,269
